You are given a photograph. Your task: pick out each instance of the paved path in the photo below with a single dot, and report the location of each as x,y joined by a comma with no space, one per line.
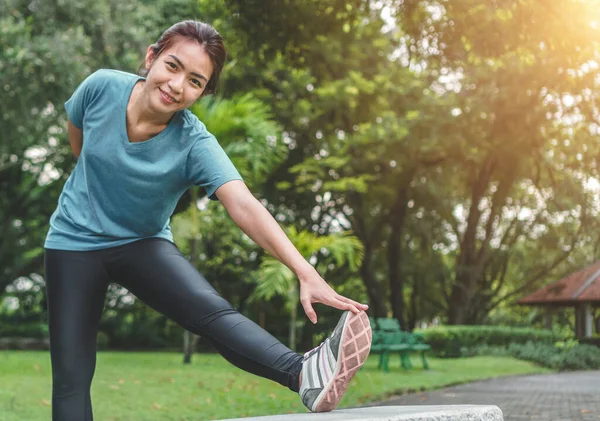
569,396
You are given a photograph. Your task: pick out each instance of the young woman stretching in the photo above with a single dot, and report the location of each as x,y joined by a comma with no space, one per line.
139,149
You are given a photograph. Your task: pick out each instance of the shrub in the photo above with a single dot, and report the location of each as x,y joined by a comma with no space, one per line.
574,357
493,350
102,340
453,341
37,330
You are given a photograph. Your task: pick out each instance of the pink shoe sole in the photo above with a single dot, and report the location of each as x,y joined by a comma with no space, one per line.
354,350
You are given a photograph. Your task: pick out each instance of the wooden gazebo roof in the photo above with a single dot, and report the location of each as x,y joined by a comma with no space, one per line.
581,286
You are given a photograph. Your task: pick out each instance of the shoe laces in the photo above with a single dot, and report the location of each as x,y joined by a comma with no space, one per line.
315,349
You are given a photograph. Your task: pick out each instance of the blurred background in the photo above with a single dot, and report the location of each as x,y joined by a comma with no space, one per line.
436,159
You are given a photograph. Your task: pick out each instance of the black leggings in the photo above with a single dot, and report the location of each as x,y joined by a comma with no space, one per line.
156,272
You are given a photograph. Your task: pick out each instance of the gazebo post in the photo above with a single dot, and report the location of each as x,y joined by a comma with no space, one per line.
589,319
548,317
578,321
584,320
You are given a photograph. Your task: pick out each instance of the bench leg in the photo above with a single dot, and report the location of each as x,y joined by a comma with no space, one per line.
386,359
409,360
425,365
405,360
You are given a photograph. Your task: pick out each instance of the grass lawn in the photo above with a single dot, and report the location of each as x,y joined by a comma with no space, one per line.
157,386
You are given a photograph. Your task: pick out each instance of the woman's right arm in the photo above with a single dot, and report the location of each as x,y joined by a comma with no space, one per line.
76,139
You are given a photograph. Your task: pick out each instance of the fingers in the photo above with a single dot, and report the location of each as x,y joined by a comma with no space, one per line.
309,310
339,301
326,295
336,302
354,306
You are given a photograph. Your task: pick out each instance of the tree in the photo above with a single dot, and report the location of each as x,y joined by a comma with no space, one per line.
523,146
47,49
471,137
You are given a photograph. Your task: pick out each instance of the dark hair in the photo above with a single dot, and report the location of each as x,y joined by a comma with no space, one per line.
203,34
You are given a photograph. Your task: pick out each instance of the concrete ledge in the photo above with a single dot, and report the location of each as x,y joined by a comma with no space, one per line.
397,413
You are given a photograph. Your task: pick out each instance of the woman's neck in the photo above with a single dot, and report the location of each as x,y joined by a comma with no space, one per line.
138,112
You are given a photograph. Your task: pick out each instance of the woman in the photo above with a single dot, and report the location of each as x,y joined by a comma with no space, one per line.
139,149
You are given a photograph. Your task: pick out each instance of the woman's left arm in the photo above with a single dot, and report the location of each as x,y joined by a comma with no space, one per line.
256,221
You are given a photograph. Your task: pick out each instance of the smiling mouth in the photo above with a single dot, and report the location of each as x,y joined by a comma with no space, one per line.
167,96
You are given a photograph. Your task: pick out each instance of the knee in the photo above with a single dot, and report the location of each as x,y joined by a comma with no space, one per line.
71,375
205,303
201,310
67,384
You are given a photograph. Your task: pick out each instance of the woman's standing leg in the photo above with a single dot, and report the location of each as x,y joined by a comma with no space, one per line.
156,272
76,285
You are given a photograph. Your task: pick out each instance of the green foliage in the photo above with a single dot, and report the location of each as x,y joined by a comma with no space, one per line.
495,171
567,344
46,50
484,350
276,279
576,357
135,333
564,355
102,341
33,329
451,341
137,327
246,129
456,138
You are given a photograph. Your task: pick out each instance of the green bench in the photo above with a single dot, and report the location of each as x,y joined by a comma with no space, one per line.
389,339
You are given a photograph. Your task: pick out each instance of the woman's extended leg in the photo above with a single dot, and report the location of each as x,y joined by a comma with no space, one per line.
156,272
76,285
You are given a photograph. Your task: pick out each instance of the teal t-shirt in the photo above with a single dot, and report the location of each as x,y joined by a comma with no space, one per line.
122,191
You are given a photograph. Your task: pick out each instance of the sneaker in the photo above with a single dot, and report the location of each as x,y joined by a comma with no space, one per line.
328,368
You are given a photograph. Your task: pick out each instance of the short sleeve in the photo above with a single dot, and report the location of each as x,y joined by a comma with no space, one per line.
209,166
85,93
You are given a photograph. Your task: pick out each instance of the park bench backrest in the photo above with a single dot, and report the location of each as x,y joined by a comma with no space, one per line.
390,324
378,337
394,338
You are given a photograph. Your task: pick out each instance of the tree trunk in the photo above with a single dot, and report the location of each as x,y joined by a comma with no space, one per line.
305,341
262,318
468,268
293,318
397,216
469,304
412,318
189,339
189,344
377,304
377,299
458,305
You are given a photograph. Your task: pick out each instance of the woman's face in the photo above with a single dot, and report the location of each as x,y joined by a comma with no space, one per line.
177,77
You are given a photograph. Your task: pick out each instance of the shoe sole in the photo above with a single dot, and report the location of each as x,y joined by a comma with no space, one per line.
353,350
